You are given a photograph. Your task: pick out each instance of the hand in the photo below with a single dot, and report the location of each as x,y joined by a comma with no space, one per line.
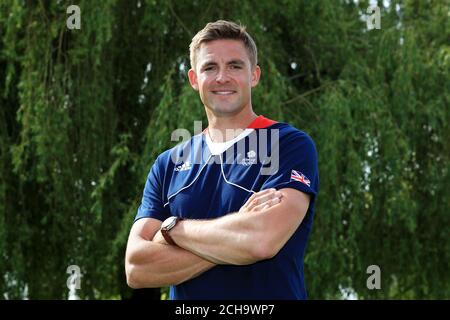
159,238
262,200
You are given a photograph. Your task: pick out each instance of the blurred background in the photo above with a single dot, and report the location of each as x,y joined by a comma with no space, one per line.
84,113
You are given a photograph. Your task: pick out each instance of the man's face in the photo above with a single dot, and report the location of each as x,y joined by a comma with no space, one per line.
224,76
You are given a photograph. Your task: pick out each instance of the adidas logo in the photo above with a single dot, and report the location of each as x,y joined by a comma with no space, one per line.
184,166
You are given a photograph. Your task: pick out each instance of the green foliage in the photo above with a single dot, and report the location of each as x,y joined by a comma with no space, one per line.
84,114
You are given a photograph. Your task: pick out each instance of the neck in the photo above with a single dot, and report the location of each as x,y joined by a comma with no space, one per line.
222,128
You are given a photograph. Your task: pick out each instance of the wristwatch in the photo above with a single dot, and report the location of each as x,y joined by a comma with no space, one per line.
168,225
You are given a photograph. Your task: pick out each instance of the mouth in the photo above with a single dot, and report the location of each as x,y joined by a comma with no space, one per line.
223,92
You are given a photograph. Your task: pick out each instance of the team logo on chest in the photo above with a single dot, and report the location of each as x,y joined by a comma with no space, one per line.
250,159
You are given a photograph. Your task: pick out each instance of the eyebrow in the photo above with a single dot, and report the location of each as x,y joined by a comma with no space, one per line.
236,61
231,62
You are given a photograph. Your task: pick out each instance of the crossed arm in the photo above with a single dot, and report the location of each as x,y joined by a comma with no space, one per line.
257,232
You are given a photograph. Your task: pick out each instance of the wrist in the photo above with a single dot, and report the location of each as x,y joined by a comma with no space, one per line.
167,227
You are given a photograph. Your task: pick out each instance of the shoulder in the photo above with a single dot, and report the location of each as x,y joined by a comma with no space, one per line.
291,137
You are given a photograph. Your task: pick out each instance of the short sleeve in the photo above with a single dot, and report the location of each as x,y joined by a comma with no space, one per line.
152,203
298,168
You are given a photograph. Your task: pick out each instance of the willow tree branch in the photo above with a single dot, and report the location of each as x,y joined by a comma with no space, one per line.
178,19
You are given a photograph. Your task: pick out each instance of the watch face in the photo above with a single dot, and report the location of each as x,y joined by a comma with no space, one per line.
168,223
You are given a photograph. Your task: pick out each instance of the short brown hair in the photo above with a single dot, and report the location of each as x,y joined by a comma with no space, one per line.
222,29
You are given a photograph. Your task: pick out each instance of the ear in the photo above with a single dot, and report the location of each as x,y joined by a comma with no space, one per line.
256,74
193,79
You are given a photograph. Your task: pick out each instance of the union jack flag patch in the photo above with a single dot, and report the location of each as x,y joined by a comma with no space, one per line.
300,177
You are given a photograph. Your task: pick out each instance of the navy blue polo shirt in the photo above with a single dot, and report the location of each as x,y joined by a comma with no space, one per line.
200,179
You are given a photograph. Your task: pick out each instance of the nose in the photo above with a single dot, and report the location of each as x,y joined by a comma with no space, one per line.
222,76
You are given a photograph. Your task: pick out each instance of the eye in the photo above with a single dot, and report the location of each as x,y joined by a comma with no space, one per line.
208,68
235,66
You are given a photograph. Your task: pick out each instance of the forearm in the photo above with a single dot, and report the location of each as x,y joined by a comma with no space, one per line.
232,239
151,265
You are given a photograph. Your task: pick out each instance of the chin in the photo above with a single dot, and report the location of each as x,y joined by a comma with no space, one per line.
226,110
223,108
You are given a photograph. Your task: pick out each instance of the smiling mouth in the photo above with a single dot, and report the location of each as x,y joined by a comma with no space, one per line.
223,92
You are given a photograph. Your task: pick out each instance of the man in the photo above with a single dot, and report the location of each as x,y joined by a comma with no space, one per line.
215,222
